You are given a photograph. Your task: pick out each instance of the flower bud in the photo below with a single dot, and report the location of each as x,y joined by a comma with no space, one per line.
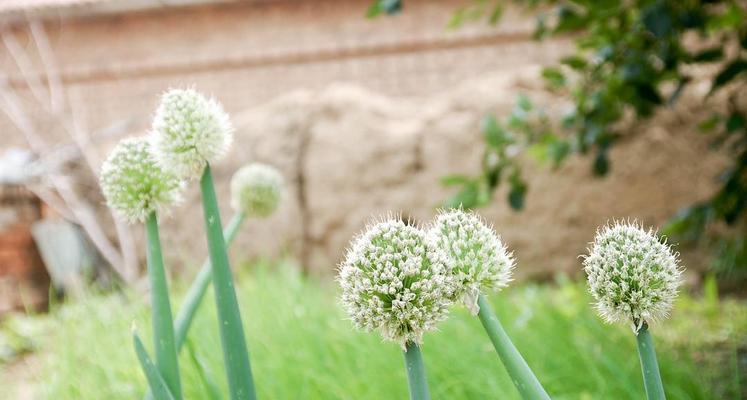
190,131
477,258
256,190
134,185
633,276
394,280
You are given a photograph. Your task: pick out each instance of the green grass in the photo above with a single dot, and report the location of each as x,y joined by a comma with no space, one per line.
304,348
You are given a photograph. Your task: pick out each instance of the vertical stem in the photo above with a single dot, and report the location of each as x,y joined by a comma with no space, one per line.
163,325
416,372
199,286
197,290
235,352
649,365
521,375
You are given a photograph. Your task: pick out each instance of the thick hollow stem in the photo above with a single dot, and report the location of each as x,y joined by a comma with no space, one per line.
197,290
521,375
235,352
416,372
163,325
649,365
199,286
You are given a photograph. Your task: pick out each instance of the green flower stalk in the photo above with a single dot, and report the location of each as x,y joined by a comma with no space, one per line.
394,280
479,261
255,192
190,131
136,188
634,277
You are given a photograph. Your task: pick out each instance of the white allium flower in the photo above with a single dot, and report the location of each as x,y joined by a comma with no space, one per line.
189,131
478,259
394,280
256,189
633,276
133,183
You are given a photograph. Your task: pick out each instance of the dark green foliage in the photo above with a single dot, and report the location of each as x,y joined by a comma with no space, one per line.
384,6
630,57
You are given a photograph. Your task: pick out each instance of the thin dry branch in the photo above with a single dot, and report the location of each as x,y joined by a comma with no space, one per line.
53,100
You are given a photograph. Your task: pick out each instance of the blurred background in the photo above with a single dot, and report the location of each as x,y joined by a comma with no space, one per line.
548,118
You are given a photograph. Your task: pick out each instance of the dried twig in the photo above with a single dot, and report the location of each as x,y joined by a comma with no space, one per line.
63,198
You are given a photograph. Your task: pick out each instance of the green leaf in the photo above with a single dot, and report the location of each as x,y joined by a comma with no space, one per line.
524,103
657,19
517,191
558,151
568,19
710,123
574,62
455,179
516,197
495,15
554,78
729,72
378,7
458,18
735,122
601,163
374,10
709,55
648,92
466,198
494,134
689,223
155,381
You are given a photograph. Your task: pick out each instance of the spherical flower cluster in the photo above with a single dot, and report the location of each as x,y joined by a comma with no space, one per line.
394,280
633,276
134,185
255,190
189,131
478,259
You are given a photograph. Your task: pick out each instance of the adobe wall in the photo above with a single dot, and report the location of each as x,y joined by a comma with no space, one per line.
362,117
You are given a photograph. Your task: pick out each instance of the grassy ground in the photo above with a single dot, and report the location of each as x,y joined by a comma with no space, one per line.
303,348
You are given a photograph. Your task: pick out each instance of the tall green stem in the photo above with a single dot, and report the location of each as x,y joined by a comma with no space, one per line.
199,286
521,375
197,290
416,372
235,352
163,324
649,365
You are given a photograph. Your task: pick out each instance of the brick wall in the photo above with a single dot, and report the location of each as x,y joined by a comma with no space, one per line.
23,279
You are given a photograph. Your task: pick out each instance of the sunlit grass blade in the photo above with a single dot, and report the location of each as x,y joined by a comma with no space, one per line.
155,381
211,387
416,372
521,375
163,325
199,286
235,351
649,365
